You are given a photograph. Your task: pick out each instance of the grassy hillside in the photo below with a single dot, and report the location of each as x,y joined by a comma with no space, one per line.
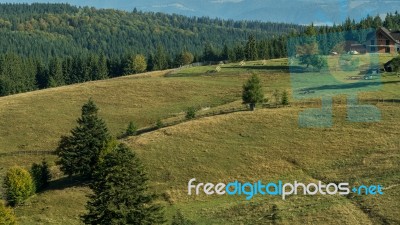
266,144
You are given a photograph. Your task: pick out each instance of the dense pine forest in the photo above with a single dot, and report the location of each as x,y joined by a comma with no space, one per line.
48,45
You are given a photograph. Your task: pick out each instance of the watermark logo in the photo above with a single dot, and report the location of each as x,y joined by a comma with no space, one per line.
331,64
249,190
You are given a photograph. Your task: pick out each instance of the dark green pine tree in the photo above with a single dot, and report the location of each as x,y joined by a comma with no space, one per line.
225,52
56,77
251,48
41,75
160,59
79,153
102,68
120,192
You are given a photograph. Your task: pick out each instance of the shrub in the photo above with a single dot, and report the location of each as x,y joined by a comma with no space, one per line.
159,124
18,185
275,214
190,113
7,216
179,219
252,92
396,64
41,175
131,130
285,98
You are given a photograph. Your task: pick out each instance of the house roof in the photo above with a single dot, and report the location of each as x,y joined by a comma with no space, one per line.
394,36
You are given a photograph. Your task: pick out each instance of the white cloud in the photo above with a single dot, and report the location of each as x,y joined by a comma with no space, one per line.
174,5
226,1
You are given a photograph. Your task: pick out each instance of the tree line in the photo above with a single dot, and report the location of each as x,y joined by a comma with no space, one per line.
49,45
49,30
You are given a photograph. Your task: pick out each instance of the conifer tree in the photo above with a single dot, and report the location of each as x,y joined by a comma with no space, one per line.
56,77
251,48
79,153
120,192
160,59
252,92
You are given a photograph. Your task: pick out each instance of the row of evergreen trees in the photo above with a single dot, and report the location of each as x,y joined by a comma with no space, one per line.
21,74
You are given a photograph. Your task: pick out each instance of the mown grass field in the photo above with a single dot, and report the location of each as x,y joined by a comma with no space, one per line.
265,144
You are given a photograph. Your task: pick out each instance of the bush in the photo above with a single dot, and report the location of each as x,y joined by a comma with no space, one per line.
179,219
7,216
190,113
396,64
131,130
41,175
285,98
18,185
252,92
159,124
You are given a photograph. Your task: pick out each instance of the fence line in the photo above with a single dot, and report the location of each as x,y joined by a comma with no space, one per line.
176,122
28,152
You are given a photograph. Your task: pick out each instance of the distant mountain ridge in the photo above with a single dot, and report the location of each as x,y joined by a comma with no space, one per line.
288,11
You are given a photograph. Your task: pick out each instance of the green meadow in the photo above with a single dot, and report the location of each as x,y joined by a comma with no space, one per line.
266,144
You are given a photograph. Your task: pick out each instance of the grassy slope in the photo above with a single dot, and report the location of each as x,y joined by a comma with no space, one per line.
266,144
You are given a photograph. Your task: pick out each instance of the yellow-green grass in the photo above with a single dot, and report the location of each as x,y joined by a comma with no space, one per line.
249,146
266,144
36,120
269,145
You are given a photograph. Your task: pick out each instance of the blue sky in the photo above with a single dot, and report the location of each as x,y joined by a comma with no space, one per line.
292,11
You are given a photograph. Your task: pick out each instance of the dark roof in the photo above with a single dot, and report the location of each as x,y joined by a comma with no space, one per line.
396,35
389,34
388,63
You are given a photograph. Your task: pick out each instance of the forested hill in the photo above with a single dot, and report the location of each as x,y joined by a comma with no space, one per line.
48,45
48,30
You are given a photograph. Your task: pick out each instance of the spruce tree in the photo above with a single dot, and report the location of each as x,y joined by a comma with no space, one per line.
179,219
79,153
131,130
41,175
252,92
102,68
56,77
120,192
251,48
160,59
285,98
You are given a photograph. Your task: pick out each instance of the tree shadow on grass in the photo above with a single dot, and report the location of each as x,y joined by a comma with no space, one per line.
357,85
66,182
285,68
260,67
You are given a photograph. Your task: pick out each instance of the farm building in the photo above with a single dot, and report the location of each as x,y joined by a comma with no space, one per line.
384,41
